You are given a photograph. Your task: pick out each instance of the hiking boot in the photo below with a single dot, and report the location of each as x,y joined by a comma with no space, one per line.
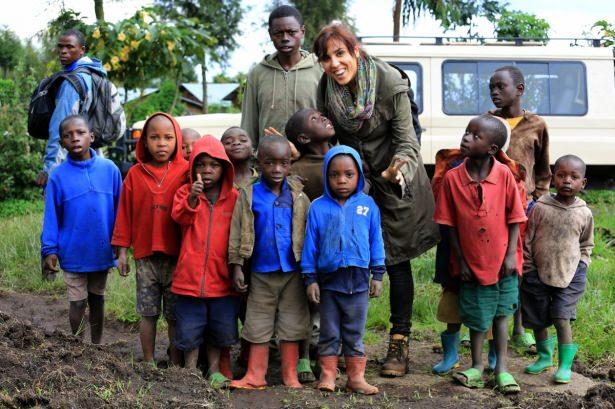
396,361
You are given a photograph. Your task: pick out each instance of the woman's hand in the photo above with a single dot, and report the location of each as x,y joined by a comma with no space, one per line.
393,173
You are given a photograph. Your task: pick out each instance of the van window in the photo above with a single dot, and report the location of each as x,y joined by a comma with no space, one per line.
551,87
415,73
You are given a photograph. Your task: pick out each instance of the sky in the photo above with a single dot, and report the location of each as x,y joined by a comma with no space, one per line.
570,18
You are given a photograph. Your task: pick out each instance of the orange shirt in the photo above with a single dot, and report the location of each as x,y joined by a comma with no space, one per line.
482,226
514,121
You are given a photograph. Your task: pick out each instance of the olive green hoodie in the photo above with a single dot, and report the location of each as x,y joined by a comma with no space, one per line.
272,94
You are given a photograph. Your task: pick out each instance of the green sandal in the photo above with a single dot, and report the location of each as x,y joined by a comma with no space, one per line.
506,384
304,371
218,381
470,378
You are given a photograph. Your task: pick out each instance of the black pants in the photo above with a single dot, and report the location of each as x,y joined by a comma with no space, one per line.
401,297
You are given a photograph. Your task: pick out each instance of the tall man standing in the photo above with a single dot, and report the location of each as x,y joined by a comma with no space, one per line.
283,82
71,52
278,86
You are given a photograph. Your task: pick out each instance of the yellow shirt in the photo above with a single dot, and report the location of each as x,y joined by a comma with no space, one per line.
514,121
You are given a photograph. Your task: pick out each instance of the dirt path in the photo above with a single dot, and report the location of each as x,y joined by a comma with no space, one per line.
38,365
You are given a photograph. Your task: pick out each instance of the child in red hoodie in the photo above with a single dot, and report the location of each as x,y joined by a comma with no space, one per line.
144,223
206,307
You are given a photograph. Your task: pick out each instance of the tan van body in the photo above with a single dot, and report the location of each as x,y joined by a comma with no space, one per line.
580,78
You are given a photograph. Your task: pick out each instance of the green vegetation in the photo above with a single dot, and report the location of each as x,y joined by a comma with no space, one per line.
20,223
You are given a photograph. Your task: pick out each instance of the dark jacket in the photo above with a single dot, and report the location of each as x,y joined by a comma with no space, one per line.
407,212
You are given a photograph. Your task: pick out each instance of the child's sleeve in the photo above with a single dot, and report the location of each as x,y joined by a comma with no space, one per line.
182,213
587,240
528,242
51,220
377,255
514,206
122,232
310,254
117,187
445,212
234,240
542,171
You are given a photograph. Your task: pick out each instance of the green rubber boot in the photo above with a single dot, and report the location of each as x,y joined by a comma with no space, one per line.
545,356
566,353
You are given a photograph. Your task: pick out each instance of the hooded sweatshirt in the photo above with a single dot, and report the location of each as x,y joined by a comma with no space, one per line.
67,103
202,269
272,94
558,237
80,205
144,215
343,236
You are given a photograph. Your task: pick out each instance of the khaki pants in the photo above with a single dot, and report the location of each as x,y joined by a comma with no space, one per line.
277,305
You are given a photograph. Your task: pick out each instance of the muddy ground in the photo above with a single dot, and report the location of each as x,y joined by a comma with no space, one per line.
42,366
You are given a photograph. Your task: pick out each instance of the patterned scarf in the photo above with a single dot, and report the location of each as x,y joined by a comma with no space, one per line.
349,112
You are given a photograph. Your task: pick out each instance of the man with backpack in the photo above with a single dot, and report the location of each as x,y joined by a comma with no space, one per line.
74,94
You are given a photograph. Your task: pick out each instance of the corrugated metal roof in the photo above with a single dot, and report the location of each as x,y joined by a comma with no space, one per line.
216,93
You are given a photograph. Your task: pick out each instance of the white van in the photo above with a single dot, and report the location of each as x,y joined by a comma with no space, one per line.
573,88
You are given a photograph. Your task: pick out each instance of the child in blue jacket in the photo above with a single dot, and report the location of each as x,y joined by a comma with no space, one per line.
343,244
80,206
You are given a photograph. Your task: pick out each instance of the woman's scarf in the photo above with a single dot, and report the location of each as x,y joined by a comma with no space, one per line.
349,112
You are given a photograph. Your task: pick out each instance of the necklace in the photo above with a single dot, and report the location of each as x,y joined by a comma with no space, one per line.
166,172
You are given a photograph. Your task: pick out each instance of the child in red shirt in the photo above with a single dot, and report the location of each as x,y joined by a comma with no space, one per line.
144,223
206,307
480,203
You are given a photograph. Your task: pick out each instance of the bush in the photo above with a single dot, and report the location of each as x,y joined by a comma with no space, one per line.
20,155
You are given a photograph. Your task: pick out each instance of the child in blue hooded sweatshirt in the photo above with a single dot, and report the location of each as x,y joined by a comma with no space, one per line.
80,207
343,244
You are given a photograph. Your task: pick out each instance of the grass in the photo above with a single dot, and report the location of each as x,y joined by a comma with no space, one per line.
594,329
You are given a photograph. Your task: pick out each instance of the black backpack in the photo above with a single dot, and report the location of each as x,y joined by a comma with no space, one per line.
105,113
414,108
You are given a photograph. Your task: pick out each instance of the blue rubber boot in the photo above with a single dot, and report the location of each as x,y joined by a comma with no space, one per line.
449,348
492,358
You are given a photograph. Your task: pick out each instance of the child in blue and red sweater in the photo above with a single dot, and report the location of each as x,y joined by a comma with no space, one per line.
343,244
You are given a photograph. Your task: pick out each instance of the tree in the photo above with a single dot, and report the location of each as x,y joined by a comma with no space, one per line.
318,13
219,18
517,24
10,50
451,14
99,10
607,32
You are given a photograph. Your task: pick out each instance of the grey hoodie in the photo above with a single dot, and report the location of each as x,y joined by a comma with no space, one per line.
272,94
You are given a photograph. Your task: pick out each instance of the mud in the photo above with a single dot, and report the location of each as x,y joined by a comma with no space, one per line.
43,366
52,369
